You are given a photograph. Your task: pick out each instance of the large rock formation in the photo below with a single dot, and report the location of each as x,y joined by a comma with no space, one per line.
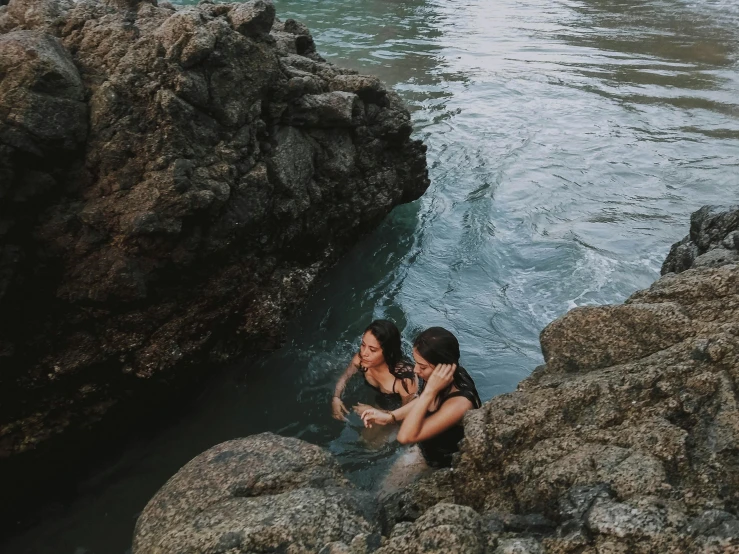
172,181
625,441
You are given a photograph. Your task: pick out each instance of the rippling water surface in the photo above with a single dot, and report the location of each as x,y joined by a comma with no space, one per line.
568,142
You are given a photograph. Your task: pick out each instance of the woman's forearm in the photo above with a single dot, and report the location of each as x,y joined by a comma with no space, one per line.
401,413
413,420
340,386
341,383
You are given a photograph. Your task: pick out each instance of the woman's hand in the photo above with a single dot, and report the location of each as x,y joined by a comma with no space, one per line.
373,416
360,408
338,410
441,378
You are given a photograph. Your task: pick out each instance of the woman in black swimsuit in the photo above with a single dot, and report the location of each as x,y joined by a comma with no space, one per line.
433,419
380,361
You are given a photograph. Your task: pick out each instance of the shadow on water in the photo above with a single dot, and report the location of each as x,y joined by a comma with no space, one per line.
287,392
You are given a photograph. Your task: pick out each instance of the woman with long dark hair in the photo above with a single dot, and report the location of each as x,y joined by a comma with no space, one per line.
380,360
433,419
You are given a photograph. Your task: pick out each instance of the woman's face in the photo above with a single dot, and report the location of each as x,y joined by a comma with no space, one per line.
423,368
370,352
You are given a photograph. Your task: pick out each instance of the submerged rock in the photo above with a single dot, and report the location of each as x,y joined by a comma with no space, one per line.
172,183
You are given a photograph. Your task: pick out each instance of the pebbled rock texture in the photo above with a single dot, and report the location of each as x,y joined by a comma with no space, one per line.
264,493
443,528
171,182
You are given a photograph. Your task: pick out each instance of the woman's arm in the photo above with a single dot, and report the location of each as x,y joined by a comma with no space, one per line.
450,413
374,416
338,410
402,412
416,426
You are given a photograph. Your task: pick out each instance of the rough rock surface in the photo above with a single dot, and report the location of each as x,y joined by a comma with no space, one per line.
171,182
260,494
625,441
713,241
443,528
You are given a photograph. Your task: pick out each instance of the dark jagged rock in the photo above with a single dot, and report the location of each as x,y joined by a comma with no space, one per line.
711,228
172,182
42,101
253,19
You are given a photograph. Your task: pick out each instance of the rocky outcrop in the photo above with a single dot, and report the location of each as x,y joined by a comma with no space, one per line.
172,182
625,441
713,241
260,494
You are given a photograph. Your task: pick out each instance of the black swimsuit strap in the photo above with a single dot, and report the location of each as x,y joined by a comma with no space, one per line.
467,394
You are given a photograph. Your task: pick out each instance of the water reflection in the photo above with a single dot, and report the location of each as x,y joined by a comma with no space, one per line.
676,54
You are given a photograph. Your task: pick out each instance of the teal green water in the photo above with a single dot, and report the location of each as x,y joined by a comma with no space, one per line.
569,141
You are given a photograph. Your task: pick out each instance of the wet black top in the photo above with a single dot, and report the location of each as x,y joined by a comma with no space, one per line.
392,400
438,450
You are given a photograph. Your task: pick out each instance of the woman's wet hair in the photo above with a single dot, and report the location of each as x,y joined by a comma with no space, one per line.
388,335
437,346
